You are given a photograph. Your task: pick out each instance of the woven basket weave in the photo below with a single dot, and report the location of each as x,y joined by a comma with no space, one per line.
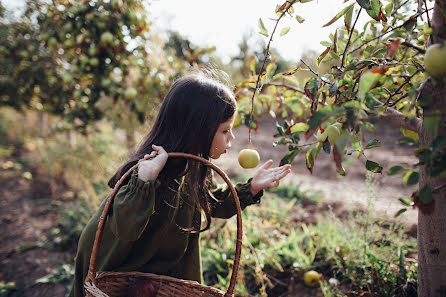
117,284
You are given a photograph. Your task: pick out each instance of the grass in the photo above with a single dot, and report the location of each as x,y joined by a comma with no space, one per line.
360,253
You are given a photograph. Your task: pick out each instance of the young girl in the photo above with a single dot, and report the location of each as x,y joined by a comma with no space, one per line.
155,220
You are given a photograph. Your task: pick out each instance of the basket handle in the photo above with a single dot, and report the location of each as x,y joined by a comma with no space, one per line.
238,247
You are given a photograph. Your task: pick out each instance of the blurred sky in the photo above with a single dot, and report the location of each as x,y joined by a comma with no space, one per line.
222,23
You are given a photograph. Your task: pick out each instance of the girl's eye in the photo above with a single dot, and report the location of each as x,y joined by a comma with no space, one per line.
225,131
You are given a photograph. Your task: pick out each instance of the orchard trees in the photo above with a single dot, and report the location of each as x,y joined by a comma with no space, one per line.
376,71
81,59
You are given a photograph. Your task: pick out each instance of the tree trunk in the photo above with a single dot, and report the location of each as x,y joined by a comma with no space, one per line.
43,123
432,227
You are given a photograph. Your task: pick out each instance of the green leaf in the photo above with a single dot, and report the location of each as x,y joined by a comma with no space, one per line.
348,19
405,202
337,158
431,124
388,9
426,195
270,69
333,88
300,19
400,212
339,15
323,113
364,4
289,157
325,43
407,140
309,157
342,140
284,31
280,129
326,146
372,143
322,56
395,170
411,177
263,30
373,166
298,128
252,65
366,82
375,9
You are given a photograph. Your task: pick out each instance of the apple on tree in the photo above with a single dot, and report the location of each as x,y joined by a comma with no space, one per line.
435,60
332,132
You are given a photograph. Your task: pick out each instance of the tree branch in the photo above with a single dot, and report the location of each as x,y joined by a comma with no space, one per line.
293,88
291,3
398,119
412,18
350,38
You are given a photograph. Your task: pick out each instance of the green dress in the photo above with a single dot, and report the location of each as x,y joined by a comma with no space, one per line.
145,229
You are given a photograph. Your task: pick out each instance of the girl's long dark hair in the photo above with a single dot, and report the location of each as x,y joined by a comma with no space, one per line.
187,121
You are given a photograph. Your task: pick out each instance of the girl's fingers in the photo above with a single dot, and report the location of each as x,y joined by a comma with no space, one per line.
267,164
282,174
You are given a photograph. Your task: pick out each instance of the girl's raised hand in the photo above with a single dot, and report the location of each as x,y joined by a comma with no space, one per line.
153,163
267,177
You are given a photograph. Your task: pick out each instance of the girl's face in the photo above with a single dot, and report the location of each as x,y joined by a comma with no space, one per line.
222,139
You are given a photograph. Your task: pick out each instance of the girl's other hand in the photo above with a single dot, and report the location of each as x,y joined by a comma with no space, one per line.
267,177
152,164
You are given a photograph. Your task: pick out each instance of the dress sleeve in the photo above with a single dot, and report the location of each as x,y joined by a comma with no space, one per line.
225,206
132,207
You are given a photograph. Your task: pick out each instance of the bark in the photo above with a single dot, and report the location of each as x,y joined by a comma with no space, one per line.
43,123
432,227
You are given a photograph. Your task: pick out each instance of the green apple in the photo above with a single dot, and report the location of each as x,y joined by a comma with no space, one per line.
248,158
321,136
333,133
130,93
435,60
106,38
52,42
94,62
312,278
92,51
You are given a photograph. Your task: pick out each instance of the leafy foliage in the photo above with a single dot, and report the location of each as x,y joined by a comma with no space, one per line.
364,73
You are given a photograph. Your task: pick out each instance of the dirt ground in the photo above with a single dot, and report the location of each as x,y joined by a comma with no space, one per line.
351,190
26,215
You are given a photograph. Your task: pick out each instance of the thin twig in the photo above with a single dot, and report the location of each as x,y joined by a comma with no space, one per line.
263,66
439,188
406,81
431,39
315,73
293,88
393,29
349,38
419,49
398,100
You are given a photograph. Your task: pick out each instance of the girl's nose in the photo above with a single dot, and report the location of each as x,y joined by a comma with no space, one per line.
232,136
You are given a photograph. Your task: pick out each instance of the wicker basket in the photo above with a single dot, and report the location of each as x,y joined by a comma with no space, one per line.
117,284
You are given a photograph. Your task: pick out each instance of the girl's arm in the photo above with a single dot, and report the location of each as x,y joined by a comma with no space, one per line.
135,202
249,193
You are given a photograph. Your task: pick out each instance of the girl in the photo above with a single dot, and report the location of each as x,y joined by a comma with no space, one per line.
155,220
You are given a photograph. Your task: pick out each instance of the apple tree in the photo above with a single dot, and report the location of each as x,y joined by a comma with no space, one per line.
375,71
82,60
